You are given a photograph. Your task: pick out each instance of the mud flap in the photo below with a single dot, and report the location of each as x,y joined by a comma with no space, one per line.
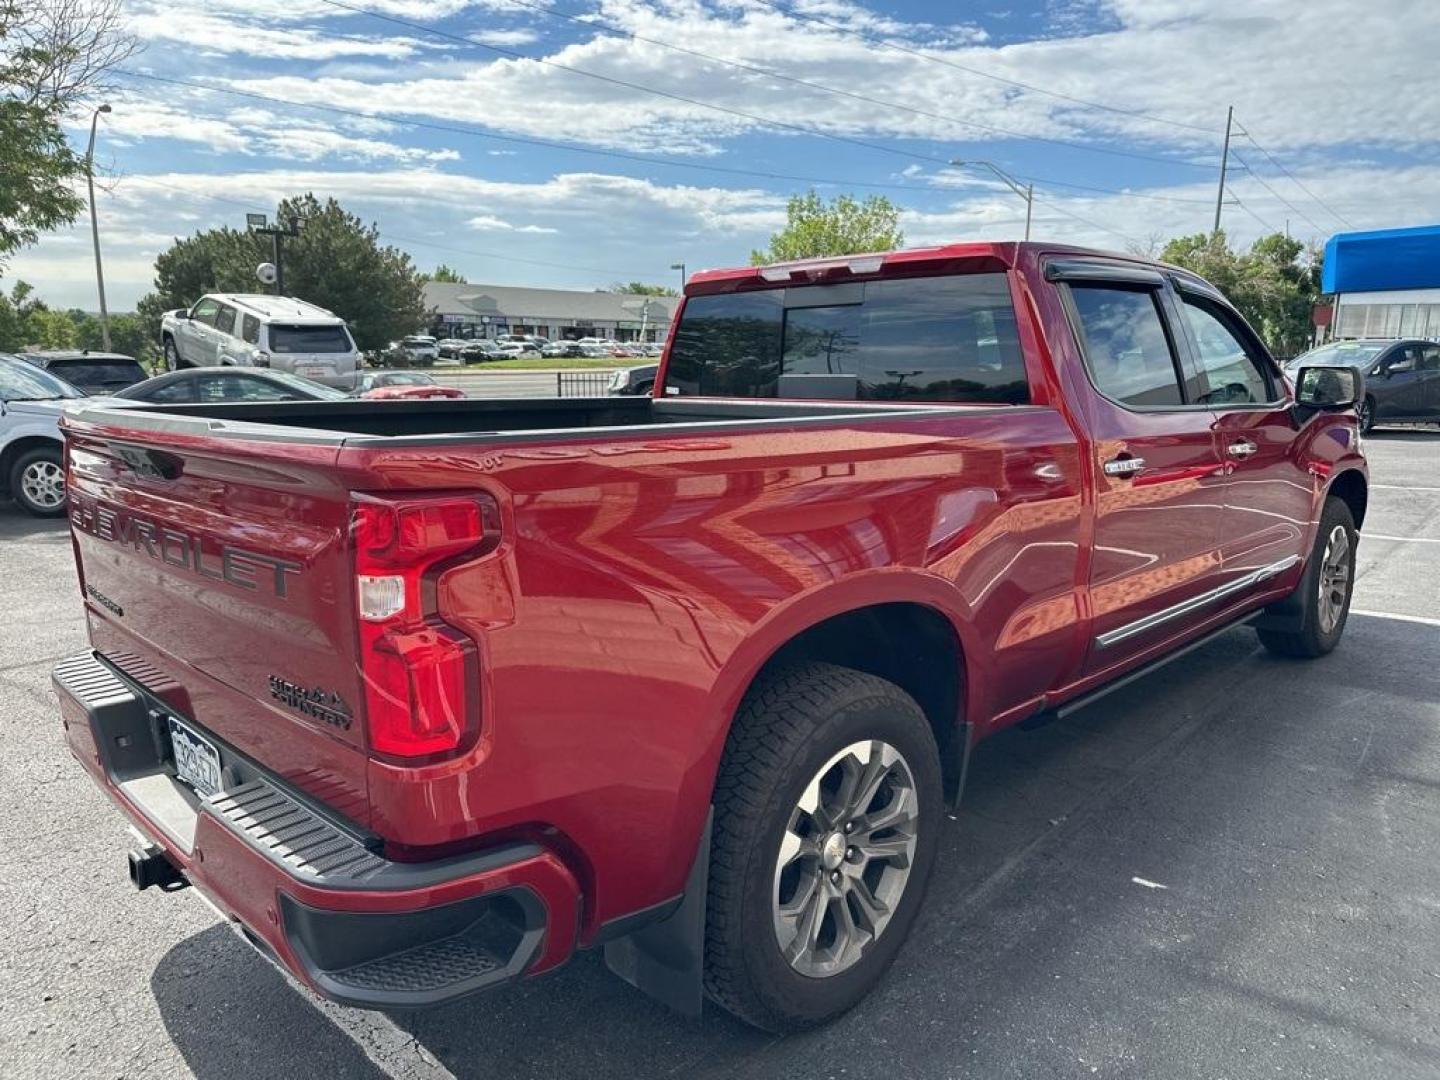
666,959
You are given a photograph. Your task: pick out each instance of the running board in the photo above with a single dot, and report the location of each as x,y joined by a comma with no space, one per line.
1074,705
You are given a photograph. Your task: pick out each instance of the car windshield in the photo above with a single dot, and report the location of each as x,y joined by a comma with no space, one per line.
99,374
20,381
308,386
309,339
1353,353
407,378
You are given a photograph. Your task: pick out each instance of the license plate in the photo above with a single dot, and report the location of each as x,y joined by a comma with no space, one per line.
314,369
197,762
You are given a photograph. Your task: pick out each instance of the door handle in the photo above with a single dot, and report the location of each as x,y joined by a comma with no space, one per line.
1124,466
1242,449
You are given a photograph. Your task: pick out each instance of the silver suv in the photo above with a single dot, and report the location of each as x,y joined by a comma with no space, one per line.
249,330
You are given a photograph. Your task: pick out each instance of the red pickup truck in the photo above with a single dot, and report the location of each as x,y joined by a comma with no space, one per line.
426,696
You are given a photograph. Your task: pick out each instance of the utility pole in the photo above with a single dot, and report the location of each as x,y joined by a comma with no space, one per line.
1224,164
95,226
275,232
1027,192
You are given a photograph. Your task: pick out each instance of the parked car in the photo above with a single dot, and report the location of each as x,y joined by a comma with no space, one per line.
450,348
31,446
257,330
1402,378
514,350
191,385
420,349
387,385
478,352
635,380
90,372
444,695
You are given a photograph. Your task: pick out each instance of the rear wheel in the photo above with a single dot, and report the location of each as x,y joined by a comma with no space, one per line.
827,812
1322,599
37,482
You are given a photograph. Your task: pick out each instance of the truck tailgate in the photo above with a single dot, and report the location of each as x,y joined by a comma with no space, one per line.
217,573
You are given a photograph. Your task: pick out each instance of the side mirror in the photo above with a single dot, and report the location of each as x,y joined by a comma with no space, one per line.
1399,366
1328,388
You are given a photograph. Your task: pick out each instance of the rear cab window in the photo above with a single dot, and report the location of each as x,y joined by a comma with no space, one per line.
300,338
99,374
951,338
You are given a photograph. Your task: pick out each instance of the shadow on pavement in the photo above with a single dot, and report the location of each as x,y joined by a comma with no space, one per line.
15,522
1231,863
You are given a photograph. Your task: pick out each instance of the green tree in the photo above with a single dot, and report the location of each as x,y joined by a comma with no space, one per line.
843,226
639,288
128,335
54,55
336,261
443,274
1274,285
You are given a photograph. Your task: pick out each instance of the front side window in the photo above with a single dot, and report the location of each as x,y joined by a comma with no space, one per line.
1232,373
205,312
1125,345
920,339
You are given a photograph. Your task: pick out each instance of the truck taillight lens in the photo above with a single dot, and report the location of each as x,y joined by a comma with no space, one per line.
421,674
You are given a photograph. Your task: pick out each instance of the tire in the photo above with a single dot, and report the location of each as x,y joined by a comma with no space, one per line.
644,389
816,722
172,356
1321,614
37,482
1367,416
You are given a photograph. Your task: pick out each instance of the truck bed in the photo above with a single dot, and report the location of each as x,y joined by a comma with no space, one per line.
458,420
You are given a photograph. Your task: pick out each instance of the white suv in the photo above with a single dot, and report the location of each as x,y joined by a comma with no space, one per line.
279,332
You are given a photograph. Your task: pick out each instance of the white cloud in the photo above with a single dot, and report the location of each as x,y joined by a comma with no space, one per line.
506,38
487,223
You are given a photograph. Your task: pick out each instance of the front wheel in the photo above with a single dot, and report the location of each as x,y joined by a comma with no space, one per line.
1367,415
172,356
827,810
1321,602
37,482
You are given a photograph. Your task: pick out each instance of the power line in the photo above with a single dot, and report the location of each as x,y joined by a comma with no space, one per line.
456,129
770,73
1296,181
887,44
1235,200
1288,204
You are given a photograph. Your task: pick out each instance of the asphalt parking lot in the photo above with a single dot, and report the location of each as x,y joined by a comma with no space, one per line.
1232,870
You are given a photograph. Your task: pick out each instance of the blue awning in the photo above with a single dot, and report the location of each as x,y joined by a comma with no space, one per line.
1382,259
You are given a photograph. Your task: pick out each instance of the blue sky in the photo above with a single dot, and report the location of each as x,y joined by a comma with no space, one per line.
573,143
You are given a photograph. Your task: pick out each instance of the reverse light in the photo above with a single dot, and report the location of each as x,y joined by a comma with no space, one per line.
421,675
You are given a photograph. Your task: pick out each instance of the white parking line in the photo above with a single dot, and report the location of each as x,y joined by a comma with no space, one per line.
1402,487
1401,539
1421,619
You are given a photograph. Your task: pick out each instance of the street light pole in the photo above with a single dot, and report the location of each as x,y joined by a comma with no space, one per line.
1027,192
681,267
95,226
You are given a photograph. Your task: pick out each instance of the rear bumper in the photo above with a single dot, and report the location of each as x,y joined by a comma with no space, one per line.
309,890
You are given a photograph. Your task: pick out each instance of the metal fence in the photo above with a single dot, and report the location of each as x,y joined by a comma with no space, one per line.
582,383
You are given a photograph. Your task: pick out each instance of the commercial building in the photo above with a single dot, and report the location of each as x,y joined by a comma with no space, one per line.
1385,283
487,311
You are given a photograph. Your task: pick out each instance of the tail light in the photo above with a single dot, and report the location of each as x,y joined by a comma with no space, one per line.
421,675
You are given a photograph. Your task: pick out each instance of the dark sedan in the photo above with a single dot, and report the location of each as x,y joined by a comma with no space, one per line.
1402,378
191,385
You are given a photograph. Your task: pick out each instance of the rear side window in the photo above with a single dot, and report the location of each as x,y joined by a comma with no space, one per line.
250,329
923,339
1125,345
308,339
225,319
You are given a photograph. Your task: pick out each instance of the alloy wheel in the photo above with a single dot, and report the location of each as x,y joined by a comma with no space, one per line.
1334,578
43,485
845,858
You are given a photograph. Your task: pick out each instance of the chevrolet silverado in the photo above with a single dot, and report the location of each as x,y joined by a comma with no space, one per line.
426,696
